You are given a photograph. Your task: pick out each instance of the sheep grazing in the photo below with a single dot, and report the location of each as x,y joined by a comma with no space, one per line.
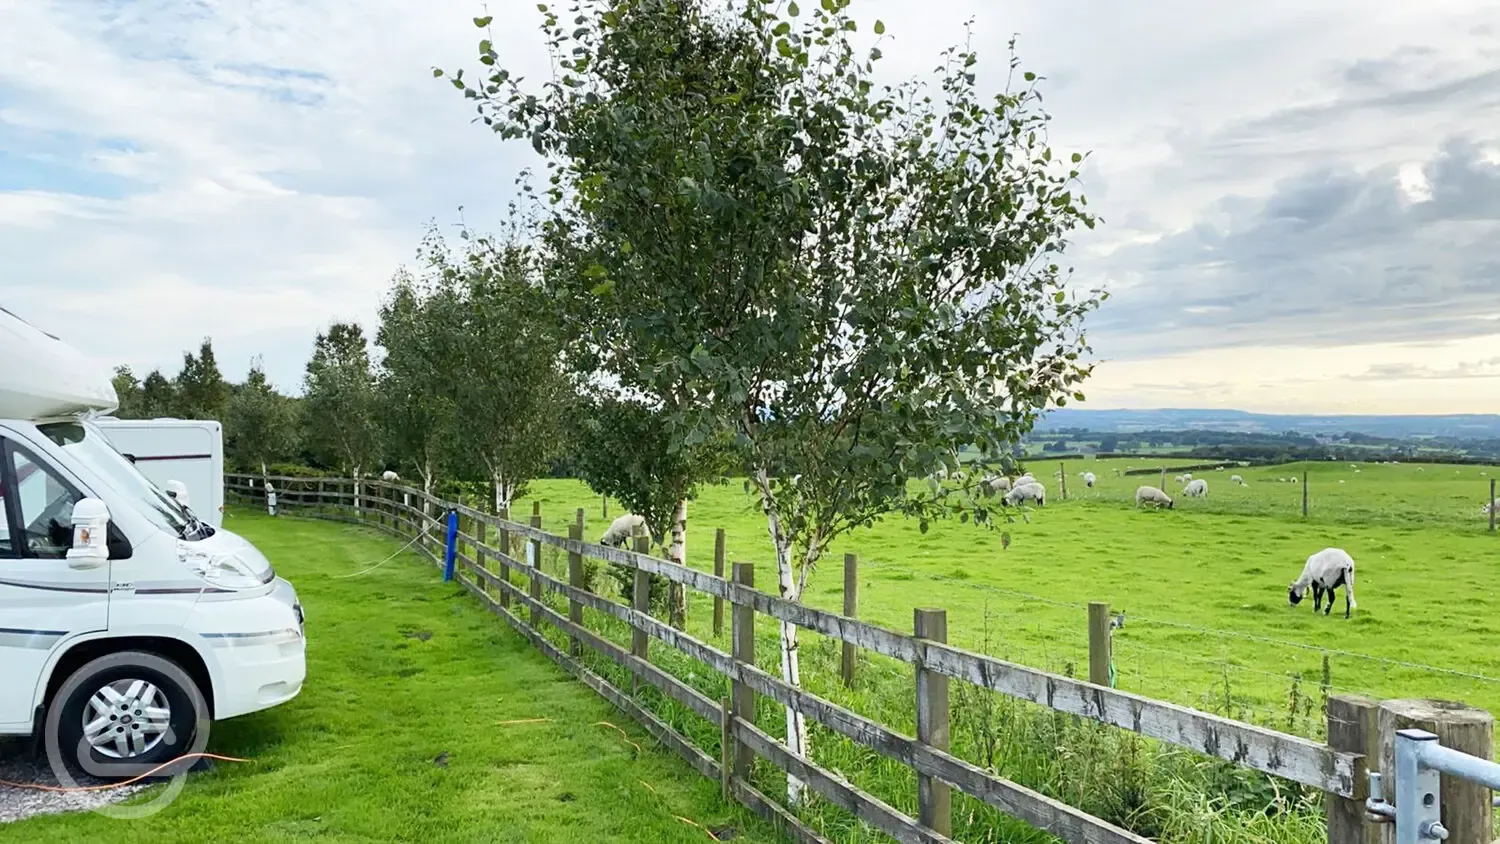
1196,489
388,475
1326,571
1088,479
1180,479
1295,481
1023,480
1494,507
1236,479
994,484
1026,492
1187,476
624,528
1152,495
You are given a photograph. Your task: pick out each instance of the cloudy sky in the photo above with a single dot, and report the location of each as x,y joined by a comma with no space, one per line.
1302,199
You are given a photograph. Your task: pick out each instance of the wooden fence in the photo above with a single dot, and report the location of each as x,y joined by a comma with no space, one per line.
488,565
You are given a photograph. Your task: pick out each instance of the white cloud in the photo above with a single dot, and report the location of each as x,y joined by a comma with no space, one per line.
253,169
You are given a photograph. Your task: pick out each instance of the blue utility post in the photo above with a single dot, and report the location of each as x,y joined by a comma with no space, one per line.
452,551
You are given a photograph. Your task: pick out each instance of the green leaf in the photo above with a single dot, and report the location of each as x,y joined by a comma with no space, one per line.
879,27
783,48
792,10
1059,297
1030,77
437,73
603,289
1077,157
484,21
782,28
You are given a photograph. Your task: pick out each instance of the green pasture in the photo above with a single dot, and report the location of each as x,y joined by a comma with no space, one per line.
1203,586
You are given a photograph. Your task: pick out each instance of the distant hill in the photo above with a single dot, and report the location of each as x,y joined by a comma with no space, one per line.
1460,426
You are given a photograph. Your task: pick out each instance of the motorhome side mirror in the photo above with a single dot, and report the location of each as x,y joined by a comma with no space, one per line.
90,548
179,491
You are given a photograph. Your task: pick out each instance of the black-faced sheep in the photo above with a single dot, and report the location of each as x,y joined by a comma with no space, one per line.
1026,492
1326,571
1151,495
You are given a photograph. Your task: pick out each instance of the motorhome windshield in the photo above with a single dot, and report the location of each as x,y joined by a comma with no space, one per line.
85,443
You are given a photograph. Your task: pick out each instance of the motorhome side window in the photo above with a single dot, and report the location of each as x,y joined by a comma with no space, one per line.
44,507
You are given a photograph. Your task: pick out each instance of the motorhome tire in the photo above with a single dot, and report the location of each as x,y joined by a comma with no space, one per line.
123,714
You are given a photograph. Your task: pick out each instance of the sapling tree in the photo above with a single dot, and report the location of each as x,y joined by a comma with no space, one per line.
622,448
339,399
511,389
854,280
421,325
260,424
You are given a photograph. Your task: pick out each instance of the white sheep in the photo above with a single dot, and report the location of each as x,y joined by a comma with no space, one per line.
389,476
1294,480
623,528
1187,476
1326,571
1180,479
1026,492
993,484
1088,479
1196,489
1152,495
1023,480
1236,479
1493,507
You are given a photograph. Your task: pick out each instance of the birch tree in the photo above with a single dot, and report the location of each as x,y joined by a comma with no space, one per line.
260,424
511,391
622,448
421,322
853,279
339,400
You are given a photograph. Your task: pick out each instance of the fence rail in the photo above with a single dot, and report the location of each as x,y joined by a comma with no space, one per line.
413,514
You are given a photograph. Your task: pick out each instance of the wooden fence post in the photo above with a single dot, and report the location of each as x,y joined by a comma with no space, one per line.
536,508
503,536
1493,508
1101,650
641,601
851,609
481,559
719,573
604,506
1352,727
1466,804
934,799
536,582
1304,493
742,632
575,579
1163,482
1062,478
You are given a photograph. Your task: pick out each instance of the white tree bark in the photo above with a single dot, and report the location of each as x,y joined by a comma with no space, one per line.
677,553
503,489
791,672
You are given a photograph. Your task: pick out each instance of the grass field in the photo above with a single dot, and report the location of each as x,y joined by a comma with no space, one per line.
397,736
1203,586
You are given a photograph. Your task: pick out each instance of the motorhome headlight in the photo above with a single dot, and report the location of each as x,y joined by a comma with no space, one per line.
226,571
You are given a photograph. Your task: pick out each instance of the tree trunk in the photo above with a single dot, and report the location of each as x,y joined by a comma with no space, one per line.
426,470
502,490
791,672
677,553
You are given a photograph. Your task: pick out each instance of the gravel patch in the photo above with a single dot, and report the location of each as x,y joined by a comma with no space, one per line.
19,765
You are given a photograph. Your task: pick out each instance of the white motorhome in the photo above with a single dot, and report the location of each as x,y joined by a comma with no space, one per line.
126,623
186,450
